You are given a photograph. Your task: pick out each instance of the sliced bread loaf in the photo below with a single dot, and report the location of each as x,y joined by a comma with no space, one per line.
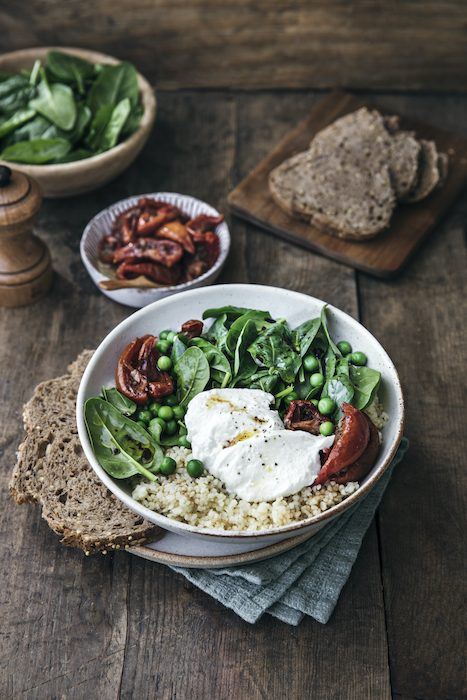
350,197
52,470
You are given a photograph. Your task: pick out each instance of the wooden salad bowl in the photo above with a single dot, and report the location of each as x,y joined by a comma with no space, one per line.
67,179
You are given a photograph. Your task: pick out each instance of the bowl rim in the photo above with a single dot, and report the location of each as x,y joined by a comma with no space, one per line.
130,201
148,101
242,535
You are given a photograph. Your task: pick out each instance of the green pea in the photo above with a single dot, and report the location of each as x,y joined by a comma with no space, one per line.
293,396
163,346
184,442
326,407
315,402
163,335
170,400
358,358
326,428
195,468
154,408
171,336
142,424
164,363
310,363
179,412
168,466
344,347
144,415
171,427
316,379
160,421
166,412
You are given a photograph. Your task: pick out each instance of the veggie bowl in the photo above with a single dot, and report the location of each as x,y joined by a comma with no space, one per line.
236,446
116,112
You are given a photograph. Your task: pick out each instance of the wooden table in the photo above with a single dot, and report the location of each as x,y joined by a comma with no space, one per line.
121,627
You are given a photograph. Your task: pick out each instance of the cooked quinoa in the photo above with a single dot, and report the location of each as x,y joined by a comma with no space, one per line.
204,502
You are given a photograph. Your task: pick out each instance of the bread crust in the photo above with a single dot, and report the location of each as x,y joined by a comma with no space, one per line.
52,471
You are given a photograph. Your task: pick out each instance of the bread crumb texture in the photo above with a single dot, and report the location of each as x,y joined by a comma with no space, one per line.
52,470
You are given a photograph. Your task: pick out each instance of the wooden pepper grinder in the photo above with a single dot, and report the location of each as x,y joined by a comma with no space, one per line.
25,266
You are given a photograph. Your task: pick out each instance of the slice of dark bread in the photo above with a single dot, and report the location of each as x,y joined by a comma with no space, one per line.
367,132
350,198
53,471
428,172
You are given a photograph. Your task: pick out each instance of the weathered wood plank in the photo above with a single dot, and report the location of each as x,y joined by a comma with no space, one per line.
421,321
244,44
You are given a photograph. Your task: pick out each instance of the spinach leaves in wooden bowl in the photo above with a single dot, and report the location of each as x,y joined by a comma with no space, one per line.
67,109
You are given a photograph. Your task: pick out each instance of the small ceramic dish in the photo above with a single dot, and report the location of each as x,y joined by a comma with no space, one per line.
68,179
295,308
101,224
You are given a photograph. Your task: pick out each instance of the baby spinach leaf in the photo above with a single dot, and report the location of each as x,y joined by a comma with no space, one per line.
218,332
15,93
219,364
69,69
37,151
265,382
115,124
178,348
33,129
339,389
248,368
34,76
133,121
192,372
247,335
56,102
333,346
121,446
329,360
274,349
113,84
304,335
98,127
231,312
121,402
365,382
18,119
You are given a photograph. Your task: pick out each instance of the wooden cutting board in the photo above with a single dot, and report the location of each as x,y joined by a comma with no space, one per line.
386,254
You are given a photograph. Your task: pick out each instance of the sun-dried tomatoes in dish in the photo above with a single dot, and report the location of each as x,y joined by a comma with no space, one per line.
159,241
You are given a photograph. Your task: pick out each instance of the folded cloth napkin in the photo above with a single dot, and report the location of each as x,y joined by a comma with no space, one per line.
306,580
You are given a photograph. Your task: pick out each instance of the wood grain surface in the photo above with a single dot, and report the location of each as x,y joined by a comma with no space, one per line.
249,44
117,627
386,254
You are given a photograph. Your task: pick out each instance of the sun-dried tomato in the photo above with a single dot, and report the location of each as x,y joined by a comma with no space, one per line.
167,276
162,251
351,442
137,375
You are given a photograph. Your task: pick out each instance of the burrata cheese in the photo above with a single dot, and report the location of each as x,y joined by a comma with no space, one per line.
243,442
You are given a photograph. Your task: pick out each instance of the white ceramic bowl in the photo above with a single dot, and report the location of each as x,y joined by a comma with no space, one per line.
296,308
101,224
68,179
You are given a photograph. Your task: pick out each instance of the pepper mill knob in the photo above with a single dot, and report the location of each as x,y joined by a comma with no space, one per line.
25,266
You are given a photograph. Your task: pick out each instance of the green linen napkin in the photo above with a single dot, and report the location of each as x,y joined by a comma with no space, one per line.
306,580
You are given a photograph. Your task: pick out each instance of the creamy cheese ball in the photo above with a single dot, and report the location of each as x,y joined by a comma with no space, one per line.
242,442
